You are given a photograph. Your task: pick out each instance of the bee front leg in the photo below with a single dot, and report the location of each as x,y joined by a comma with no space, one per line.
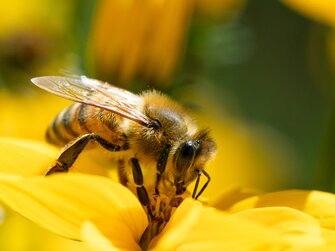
72,151
161,164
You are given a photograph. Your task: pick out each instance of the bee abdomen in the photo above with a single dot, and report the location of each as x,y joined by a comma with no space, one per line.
61,130
80,119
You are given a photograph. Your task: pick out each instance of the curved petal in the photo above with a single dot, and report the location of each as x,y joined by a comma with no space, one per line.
62,202
109,234
321,10
320,205
329,236
194,227
231,196
297,229
25,157
30,158
20,234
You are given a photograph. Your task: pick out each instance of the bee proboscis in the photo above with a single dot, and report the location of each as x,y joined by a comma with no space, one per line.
147,130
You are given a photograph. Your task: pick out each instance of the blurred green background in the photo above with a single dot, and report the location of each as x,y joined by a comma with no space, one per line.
260,73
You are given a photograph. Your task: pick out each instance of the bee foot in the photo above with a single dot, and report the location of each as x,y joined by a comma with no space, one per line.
57,169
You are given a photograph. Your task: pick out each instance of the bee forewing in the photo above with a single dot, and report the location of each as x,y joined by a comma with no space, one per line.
94,92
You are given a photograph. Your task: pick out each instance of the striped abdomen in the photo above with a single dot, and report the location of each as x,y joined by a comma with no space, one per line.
80,119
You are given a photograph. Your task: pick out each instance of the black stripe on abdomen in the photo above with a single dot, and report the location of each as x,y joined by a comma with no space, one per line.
82,117
54,135
67,120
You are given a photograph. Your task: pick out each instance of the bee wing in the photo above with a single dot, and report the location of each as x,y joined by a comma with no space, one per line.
94,92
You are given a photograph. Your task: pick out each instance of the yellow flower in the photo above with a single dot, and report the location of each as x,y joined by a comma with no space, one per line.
20,234
17,233
20,110
107,216
131,39
321,10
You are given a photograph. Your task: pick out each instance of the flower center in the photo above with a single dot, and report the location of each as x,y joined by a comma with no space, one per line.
162,206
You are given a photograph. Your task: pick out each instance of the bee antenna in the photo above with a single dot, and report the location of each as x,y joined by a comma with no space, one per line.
194,194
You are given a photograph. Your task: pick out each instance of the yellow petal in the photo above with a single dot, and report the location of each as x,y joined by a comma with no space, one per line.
112,47
320,205
62,202
28,116
109,234
329,236
25,157
320,10
194,227
297,229
28,158
20,234
231,196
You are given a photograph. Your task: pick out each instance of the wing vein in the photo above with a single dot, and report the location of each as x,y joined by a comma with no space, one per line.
97,93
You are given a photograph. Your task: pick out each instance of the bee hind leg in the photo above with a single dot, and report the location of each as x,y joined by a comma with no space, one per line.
72,151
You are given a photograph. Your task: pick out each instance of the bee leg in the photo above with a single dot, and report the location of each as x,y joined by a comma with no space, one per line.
121,172
161,164
196,183
142,193
180,186
72,151
195,195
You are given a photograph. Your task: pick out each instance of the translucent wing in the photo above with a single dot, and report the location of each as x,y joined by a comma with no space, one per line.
94,92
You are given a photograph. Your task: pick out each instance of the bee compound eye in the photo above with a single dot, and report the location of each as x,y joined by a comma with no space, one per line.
185,155
187,150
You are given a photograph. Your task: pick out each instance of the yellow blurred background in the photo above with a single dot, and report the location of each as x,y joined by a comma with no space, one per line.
259,74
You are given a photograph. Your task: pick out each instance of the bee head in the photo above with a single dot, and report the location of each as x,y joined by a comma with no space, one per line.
190,158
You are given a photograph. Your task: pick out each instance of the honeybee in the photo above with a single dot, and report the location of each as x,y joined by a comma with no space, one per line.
147,130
